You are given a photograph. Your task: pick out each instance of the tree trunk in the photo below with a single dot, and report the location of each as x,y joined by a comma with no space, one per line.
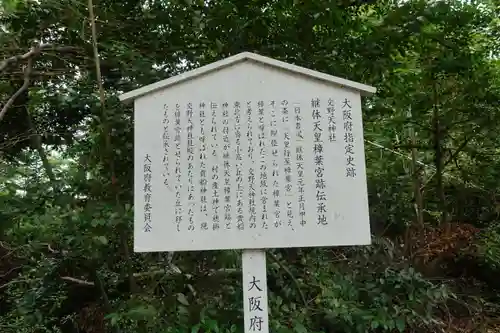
438,158
419,203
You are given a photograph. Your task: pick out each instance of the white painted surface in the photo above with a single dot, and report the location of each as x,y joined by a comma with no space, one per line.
255,305
255,58
346,204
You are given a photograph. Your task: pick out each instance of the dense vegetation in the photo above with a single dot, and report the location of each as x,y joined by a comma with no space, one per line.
431,131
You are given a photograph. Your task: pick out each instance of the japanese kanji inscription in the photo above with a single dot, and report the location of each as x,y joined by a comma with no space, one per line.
276,160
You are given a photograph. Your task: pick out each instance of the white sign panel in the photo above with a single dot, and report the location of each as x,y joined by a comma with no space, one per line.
249,157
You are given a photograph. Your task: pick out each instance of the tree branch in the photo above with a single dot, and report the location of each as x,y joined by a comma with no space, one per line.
457,151
224,271
10,271
32,53
35,50
41,74
290,274
412,146
25,86
78,281
108,146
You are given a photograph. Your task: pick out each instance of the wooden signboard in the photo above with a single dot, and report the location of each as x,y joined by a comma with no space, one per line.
249,153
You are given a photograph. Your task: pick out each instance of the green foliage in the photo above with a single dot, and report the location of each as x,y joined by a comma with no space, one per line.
66,196
489,247
371,290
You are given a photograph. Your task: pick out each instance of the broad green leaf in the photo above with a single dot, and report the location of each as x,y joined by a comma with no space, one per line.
299,328
102,239
400,324
182,299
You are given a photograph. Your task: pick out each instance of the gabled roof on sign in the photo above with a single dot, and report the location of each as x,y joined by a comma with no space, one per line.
240,57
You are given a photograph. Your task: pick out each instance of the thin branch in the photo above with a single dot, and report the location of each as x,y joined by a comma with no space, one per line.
169,272
14,140
15,59
13,282
97,59
10,271
29,56
294,280
412,146
423,165
41,74
32,53
2,245
100,286
457,151
78,281
62,252
108,145
396,153
21,90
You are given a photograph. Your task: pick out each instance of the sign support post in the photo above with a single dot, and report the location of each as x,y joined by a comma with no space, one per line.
255,304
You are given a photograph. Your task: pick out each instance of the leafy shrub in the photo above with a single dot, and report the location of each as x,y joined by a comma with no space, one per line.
489,246
372,289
